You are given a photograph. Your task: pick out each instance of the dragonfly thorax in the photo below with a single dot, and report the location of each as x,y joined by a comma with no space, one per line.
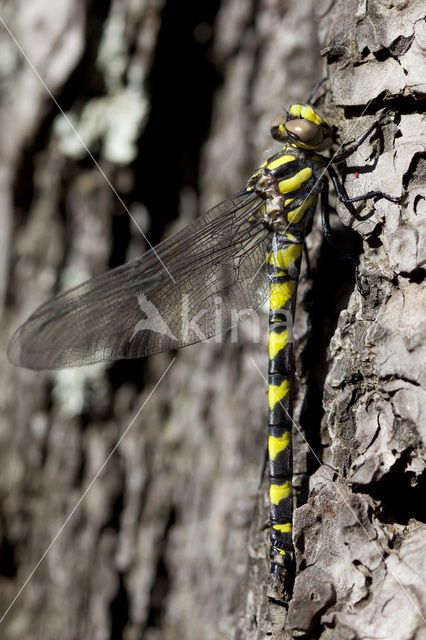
289,182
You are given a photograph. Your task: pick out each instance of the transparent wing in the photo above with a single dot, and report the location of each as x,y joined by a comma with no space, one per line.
217,266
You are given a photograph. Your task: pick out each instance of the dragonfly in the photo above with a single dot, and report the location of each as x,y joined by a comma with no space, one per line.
201,281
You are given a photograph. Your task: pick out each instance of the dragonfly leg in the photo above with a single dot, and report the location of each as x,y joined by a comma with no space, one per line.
314,90
328,235
350,150
343,196
307,260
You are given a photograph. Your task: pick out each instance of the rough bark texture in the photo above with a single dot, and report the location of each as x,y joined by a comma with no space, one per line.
171,539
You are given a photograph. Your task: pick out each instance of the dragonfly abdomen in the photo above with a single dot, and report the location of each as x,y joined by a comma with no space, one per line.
283,265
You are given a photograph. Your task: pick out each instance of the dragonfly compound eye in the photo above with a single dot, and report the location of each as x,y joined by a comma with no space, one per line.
278,131
304,131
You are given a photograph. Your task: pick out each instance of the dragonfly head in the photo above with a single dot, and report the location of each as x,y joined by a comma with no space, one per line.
303,127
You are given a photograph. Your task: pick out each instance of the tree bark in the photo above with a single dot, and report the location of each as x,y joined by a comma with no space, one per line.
170,538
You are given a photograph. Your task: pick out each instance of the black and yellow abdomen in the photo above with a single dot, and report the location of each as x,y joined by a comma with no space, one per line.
290,182
283,263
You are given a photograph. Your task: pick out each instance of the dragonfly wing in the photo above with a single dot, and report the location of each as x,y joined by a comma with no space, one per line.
214,278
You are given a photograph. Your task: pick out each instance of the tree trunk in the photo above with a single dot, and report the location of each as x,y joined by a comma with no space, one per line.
169,539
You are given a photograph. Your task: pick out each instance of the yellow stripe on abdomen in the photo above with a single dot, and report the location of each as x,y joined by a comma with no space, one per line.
278,492
291,184
280,294
283,258
276,445
276,393
284,528
277,342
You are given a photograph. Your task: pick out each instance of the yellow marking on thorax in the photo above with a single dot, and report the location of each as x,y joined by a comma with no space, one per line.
278,492
276,445
285,528
280,293
262,165
280,161
296,215
291,184
277,341
276,393
287,202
